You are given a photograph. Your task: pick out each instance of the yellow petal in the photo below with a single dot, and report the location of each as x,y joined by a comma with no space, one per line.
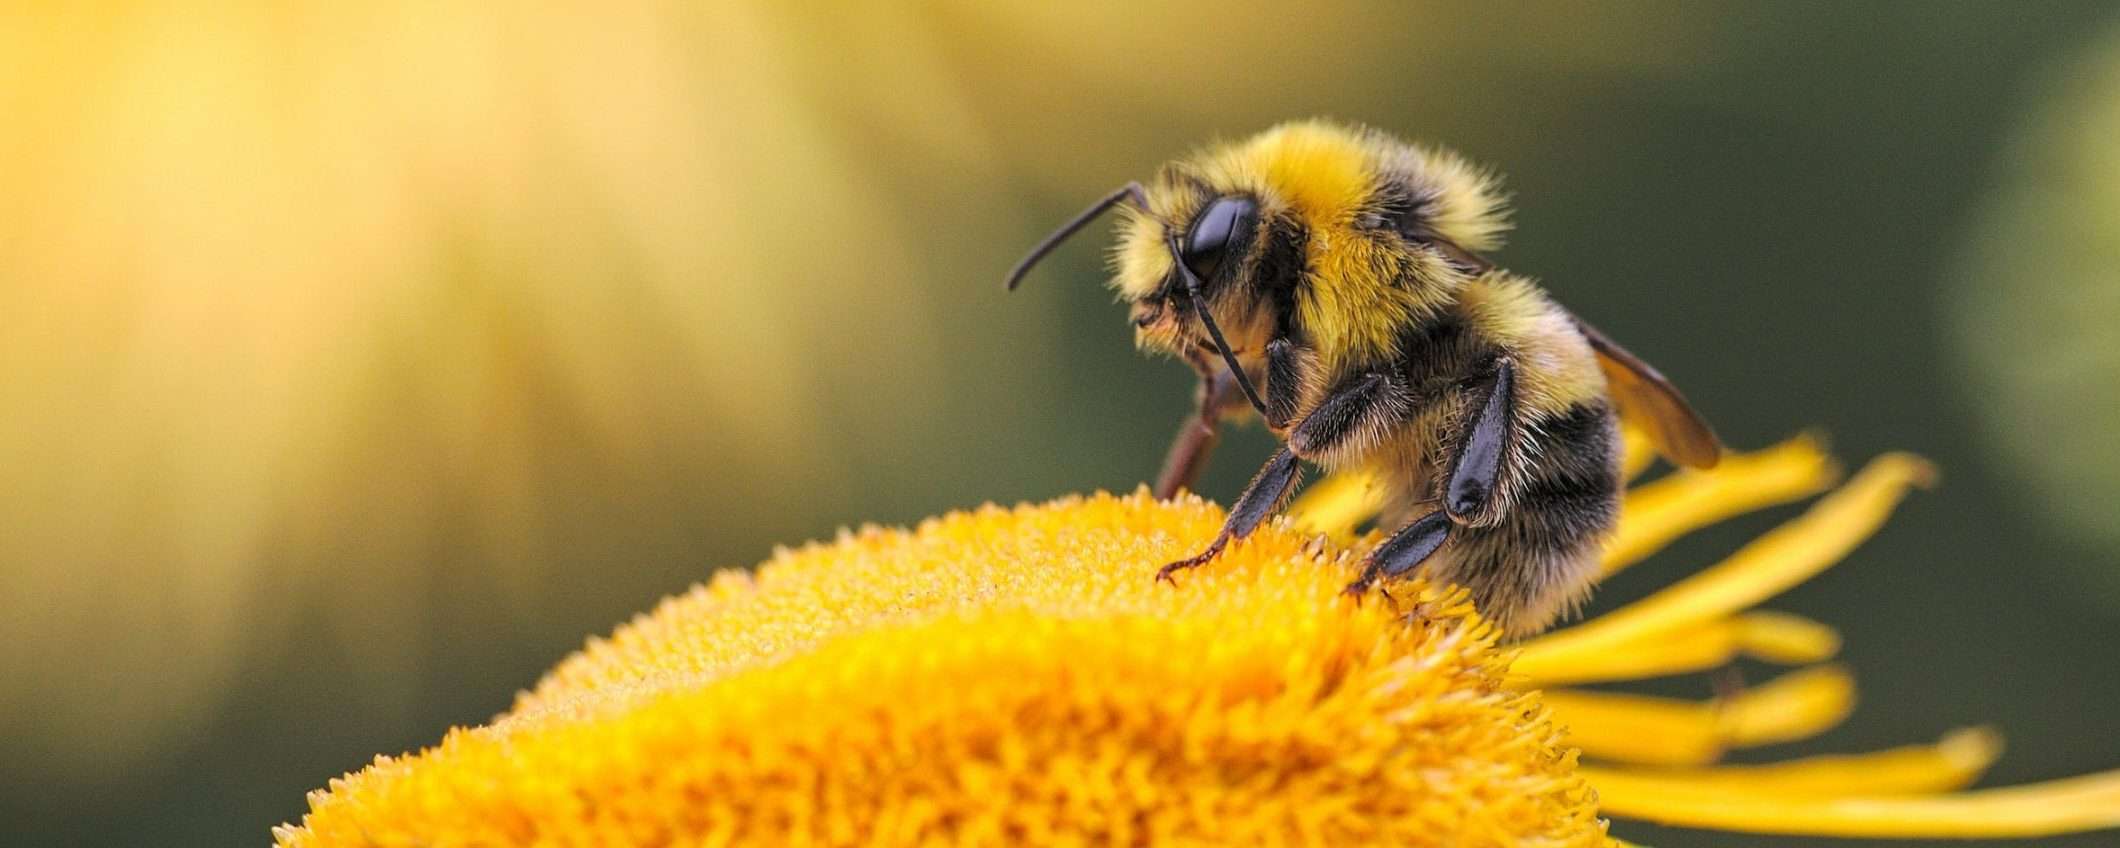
1656,513
1338,504
1637,453
1664,731
1788,555
2091,802
1771,636
1954,762
1779,637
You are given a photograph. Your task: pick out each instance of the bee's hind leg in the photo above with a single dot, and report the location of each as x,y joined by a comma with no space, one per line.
1469,495
1259,500
1407,548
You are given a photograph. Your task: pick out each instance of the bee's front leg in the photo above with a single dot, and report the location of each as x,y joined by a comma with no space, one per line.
1260,500
1197,437
1218,396
1349,412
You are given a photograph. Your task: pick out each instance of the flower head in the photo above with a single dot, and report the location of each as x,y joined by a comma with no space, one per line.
1007,674
1012,675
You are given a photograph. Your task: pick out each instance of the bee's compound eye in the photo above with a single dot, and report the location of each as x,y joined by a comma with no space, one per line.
1222,223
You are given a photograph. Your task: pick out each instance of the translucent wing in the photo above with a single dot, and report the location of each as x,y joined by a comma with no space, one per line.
1649,401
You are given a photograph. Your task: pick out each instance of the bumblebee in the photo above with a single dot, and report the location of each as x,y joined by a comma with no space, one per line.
1330,278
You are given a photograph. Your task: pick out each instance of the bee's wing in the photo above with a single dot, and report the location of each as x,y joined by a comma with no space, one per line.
1641,392
1649,401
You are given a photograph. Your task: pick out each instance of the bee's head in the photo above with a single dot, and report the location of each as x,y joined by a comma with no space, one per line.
1335,235
1232,254
1191,265
1338,237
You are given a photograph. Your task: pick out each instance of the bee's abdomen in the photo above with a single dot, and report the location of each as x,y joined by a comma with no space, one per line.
1539,561
1574,459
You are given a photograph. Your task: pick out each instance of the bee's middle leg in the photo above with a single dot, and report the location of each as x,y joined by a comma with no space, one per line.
1259,500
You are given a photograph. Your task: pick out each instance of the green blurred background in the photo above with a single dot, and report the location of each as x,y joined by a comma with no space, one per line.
356,365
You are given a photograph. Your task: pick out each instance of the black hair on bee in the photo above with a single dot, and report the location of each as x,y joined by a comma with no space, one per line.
1334,278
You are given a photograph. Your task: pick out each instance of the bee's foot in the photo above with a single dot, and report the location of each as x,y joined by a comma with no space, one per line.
1163,575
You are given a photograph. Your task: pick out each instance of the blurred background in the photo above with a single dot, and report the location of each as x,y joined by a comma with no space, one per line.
357,364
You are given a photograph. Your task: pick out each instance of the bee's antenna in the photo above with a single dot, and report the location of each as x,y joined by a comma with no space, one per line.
1199,304
1130,191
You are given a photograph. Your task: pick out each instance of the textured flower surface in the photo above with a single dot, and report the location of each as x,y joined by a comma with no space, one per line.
1013,676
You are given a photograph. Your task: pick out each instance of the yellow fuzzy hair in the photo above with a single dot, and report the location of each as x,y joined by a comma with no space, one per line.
1328,175
1555,367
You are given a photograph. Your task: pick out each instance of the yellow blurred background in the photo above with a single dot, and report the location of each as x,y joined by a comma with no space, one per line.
358,362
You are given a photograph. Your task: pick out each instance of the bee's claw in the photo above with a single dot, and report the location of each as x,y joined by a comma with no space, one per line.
1163,575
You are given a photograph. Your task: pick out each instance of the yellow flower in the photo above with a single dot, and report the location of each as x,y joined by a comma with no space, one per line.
1013,676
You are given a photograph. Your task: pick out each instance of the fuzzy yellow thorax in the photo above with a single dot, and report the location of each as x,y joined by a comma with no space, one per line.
1361,287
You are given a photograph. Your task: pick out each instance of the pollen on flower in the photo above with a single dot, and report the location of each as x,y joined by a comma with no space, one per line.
1007,675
